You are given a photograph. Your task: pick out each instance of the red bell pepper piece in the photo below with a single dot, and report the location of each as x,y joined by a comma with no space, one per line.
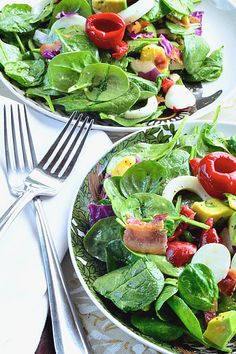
194,165
189,213
106,30
210,235
217,174
227,286
179,253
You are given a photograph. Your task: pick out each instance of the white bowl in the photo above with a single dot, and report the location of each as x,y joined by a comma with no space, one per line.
219,28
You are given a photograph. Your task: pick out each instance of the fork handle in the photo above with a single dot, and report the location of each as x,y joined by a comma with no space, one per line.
10,214
68,332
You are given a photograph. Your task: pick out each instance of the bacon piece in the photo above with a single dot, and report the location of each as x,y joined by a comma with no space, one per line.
227,286
145,237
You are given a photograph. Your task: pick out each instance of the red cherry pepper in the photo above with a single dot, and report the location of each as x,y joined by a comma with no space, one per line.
179,253
210,235
217,174
194,165
106,31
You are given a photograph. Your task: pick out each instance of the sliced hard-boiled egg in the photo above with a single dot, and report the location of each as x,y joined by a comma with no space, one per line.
189,183
179,97
136,11
216,257
123,166
145,111
233,263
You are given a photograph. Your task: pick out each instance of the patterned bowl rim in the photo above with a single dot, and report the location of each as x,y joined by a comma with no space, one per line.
188,125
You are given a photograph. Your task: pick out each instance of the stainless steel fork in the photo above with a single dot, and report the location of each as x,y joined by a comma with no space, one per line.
68,332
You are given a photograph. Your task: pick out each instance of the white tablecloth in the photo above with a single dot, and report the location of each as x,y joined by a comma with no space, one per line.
23,303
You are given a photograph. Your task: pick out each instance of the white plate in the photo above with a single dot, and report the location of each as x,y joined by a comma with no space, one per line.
219,28
87,267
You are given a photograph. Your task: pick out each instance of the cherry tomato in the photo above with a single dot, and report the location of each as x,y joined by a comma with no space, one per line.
180,253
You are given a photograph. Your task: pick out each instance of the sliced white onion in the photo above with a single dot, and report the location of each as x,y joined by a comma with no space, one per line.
40,37
64,22
142,66
136,11
233,263
145,111
179,97
216,257
189,183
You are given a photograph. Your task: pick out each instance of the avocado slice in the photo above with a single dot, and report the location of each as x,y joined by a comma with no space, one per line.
221,329
212,208
232,228
109,5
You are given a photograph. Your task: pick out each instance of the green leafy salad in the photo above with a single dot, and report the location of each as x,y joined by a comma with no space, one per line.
125,61
167,235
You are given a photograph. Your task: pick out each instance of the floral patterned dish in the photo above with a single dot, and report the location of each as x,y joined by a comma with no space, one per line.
87,268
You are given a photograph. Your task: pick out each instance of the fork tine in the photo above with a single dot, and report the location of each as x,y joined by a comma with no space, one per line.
60,151
79,148
6,141
30,140
56,142
14,139
70,148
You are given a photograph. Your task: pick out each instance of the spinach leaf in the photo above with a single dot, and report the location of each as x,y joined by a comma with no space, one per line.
16,18
146,176
147,88
164,265
183,7
146,151
166,294
79,102
153,327
231,145
69,65
133,287
73,39
27,73
194,53
197,287
9,53
144,206
102,82
187,317
69,6
210,69
227,303
112,189
158,11
100,234
118,255
42,92
180,30
120,119
174,164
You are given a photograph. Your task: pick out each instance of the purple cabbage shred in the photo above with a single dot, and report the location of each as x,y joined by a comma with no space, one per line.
98,212
198,15
166,45
65,14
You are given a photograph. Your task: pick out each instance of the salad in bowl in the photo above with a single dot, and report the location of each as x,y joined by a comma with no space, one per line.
126,62
153,237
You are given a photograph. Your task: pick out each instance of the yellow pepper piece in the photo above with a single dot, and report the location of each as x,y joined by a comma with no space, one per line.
123,166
